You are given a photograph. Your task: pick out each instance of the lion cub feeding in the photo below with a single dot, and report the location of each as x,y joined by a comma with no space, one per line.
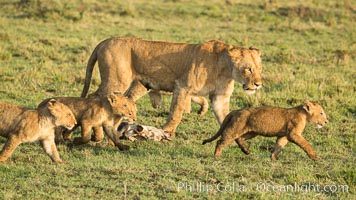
285,124
102,114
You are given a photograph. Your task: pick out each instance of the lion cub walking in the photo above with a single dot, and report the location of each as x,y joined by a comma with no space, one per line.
102,114
20,125
285,124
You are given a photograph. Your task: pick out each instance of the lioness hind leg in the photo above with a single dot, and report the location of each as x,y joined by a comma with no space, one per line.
156,99
204,105
188,106
278,147
50,148
9,147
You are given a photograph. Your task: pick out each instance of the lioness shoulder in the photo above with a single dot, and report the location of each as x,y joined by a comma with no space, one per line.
285,124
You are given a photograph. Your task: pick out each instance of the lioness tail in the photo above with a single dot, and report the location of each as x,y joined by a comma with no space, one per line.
89,72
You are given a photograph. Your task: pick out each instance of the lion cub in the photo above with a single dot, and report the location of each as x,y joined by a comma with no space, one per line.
20,124
285,124
100,114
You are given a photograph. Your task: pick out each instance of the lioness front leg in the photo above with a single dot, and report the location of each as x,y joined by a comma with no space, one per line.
220,101
221,106
278,147
179,101
302,143
9,147
50,148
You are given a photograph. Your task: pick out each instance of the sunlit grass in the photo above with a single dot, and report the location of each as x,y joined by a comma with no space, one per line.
308,53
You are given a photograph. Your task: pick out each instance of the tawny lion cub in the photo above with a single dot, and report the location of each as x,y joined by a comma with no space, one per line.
102,114
285,124
20,124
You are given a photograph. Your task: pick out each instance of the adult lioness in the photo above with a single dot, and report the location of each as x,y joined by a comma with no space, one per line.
285,124
20,125
186,70
102,114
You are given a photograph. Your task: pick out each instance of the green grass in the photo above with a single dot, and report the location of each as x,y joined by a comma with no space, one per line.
308,53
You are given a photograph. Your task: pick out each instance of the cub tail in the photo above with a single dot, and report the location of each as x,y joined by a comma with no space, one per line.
226,121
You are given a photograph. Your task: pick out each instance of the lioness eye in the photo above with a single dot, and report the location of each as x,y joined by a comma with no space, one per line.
321,113
248,70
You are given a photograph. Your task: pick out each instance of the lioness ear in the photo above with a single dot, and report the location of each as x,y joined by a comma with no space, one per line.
259,52
307,106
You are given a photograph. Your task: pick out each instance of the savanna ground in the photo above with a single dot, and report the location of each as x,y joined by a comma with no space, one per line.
308,53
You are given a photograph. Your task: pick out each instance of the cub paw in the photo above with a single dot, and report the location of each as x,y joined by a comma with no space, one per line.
123,147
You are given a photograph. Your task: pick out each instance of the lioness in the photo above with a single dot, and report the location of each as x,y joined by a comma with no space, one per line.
285,124
186,70
100,114
20,125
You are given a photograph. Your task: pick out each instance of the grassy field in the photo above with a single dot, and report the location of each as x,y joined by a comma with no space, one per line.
309,50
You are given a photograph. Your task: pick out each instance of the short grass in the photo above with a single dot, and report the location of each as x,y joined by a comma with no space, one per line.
308,53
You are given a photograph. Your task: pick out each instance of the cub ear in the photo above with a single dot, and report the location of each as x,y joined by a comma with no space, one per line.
111,99
51,102
307,106
259,52
230,47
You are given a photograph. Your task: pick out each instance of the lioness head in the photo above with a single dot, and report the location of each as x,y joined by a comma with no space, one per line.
316,113
63,115
122,105
247,67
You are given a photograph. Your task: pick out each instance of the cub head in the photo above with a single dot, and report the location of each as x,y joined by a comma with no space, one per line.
246,67
62,114
316,113
122,106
